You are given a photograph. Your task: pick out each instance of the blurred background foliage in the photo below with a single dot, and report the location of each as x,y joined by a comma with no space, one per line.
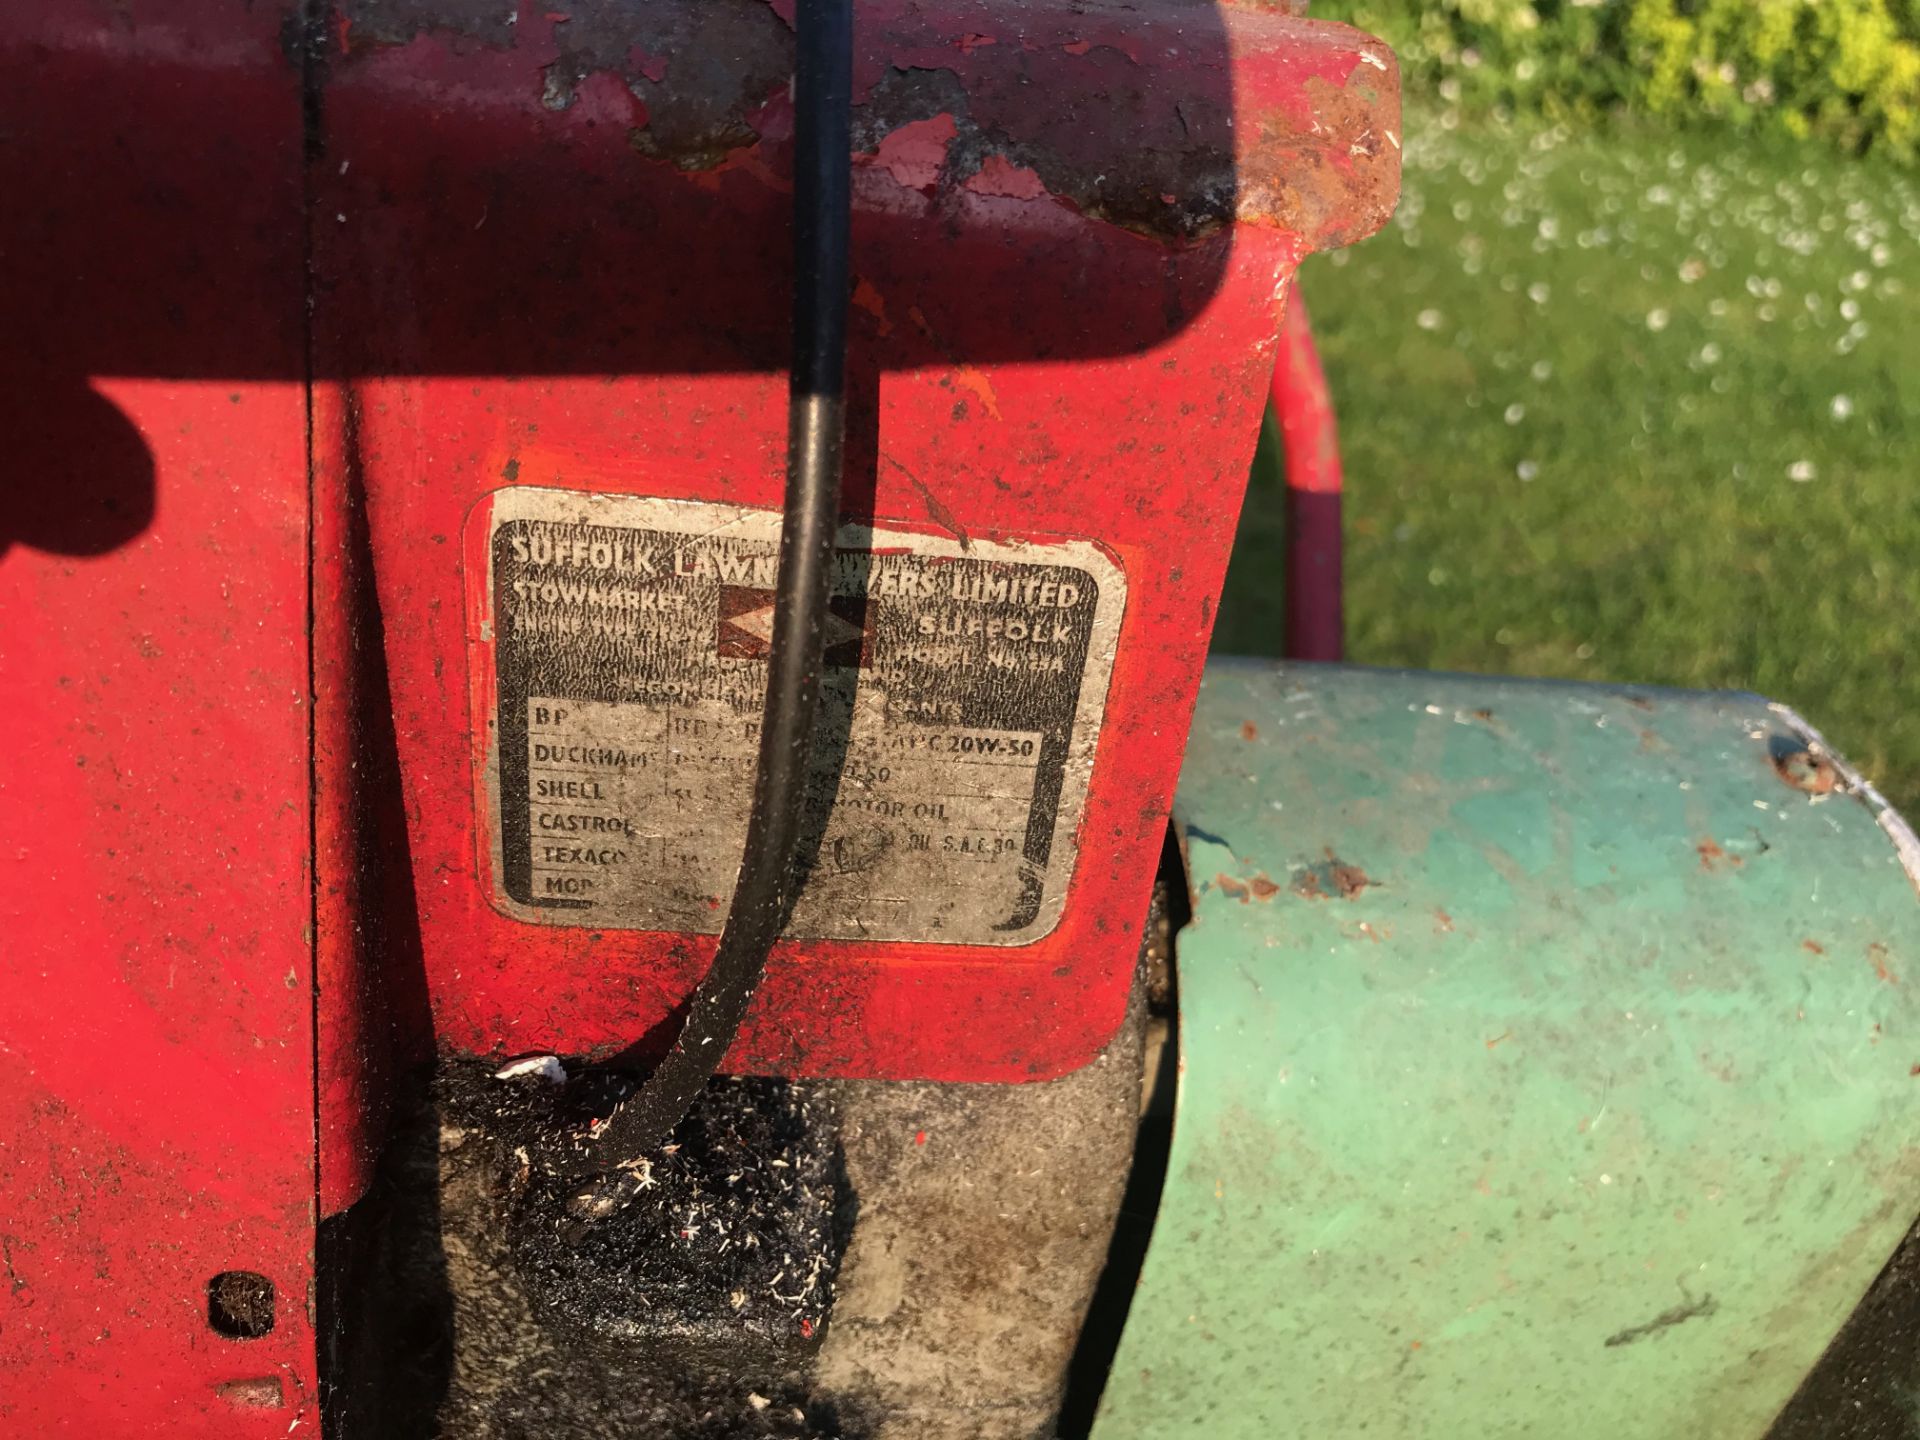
1844,70
1629,388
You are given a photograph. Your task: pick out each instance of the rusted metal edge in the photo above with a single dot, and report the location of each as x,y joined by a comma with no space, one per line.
1851,782
1169,121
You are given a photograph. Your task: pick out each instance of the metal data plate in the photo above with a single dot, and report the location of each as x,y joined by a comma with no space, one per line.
961,706
1551,1065
1046,309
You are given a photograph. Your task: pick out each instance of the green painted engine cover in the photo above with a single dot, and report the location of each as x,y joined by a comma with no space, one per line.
1550,1064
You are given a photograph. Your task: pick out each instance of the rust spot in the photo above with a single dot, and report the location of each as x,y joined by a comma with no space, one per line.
1914,1071
1349,880
868,298
1443,922
1713,858
1503,1035
1484,716
1249,730
262,1392
1877,953
1334,186
1260,887
1332,876
969,378
1813,947
1808,771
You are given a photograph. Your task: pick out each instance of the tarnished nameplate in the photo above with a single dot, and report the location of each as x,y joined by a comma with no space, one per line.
623,649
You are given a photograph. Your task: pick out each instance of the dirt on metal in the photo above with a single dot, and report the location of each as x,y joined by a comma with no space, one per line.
470,1315
724,1259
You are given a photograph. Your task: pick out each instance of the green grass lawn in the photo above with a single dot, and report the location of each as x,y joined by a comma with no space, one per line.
1630,408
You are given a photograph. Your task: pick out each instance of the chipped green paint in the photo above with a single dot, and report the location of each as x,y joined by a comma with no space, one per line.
1547,1066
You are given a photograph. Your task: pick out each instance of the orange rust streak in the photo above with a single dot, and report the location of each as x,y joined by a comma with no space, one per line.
970,379
868,298
1712,856
1878,954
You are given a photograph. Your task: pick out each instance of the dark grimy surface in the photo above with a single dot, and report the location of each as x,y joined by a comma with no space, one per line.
976,1221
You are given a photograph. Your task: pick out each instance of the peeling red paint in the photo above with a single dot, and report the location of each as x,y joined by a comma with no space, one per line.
1249,112
999,176
916,153
654,67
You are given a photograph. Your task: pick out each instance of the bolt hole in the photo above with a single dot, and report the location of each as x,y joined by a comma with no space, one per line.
240,1304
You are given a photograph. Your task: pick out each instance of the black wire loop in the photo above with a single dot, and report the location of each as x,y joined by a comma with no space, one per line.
763,894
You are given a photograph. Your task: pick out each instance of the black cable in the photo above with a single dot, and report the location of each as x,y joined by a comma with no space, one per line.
816,424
